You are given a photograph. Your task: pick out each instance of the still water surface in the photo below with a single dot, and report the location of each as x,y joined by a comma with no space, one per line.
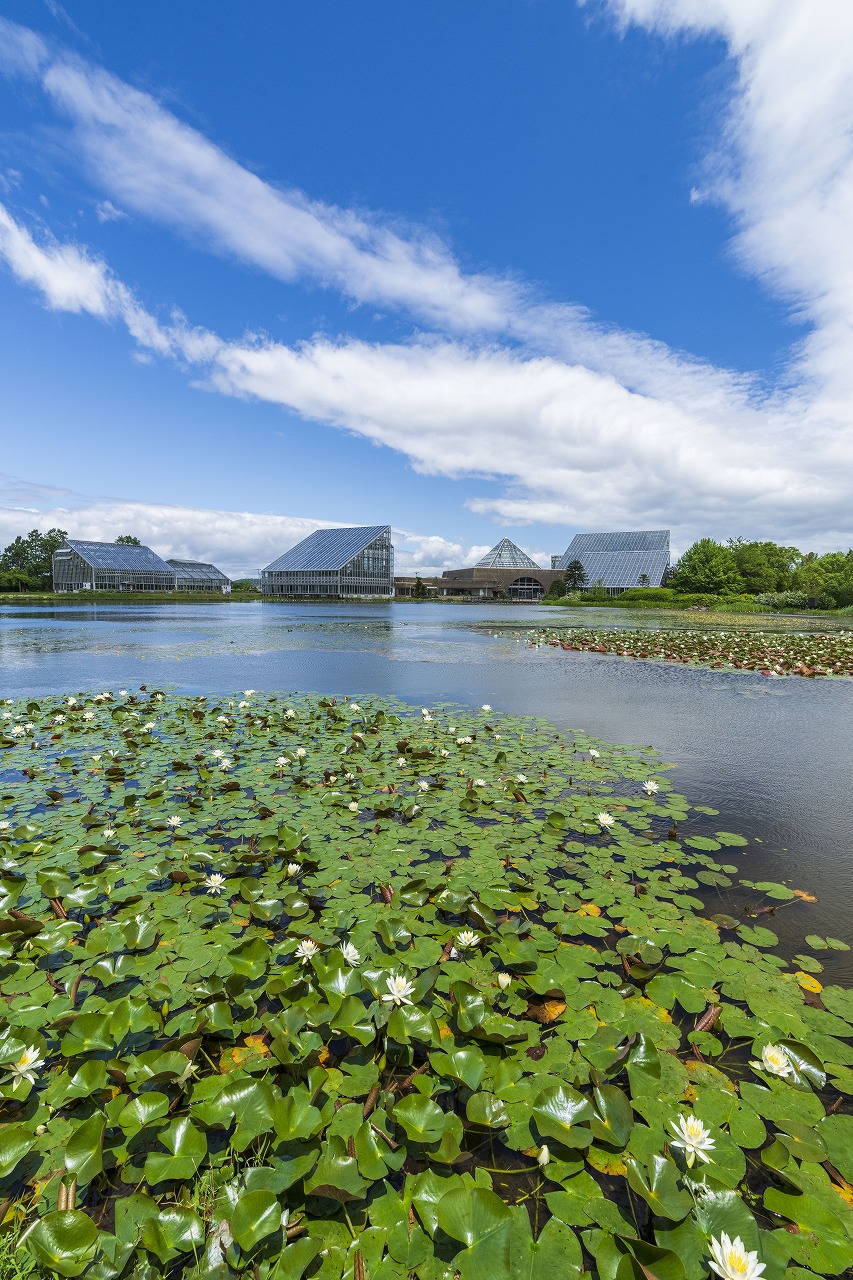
774,756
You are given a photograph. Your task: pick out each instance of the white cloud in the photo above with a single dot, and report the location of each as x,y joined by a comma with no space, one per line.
784,164
578,422
105,211
239,542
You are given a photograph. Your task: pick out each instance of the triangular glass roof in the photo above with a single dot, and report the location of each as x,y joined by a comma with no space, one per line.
328,548
620,559
506,555
118,555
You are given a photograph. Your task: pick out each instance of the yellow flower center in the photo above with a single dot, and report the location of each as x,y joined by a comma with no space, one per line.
737,1262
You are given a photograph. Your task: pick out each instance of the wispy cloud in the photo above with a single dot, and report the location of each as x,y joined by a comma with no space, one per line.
576,421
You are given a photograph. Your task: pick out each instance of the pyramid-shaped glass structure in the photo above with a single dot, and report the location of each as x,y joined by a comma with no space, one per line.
506,555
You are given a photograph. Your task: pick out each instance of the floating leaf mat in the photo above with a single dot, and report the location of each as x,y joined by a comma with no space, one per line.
298,987
767,652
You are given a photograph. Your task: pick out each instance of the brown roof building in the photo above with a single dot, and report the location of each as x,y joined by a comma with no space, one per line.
506,572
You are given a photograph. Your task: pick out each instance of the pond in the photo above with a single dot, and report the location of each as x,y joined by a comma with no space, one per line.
775,757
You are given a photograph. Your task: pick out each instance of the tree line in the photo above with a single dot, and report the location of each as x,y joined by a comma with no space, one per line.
27,563
766,571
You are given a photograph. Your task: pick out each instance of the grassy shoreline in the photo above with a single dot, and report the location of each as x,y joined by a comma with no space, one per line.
296,985
75,600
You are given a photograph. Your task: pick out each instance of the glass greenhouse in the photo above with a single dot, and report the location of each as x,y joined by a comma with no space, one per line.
109,566
351,563
621,560
195,575
506,555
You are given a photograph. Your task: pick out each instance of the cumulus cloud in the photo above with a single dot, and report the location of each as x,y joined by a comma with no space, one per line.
239,542
576,421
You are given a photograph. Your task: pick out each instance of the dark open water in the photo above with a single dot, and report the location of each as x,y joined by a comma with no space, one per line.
774,756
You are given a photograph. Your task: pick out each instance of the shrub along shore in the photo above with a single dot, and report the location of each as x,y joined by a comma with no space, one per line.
295,986
767,652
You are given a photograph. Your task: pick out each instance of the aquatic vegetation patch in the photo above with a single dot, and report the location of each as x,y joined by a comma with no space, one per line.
297,986
767,652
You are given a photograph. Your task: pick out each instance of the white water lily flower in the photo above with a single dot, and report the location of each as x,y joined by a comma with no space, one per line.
353,806
444,752
301,752
463,741
479,782
401,762
222,720
59,719
242,704
651,787
485,707
349,953
333,777
399,990
306,950
775,1061
4,824
733,1261
350,777
282,762
467,938
247,693
24,1069
158,697
71,702
122,693
422,784
293,869
290,714
217,753
96,759
174,821
108,833
521,777
605,820
693,1137
149,725
353,706
593,754
504,981
544,1157
497,737
87,715
214,882
18,730
226,765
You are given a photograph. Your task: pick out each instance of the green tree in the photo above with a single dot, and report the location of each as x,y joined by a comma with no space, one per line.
17,580
764,566
838,568
33,556
598,591
557,589
643,580
419,591
811,577
708,568
128,540
575,575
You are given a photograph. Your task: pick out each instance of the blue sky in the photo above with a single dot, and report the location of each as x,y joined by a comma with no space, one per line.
500,267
